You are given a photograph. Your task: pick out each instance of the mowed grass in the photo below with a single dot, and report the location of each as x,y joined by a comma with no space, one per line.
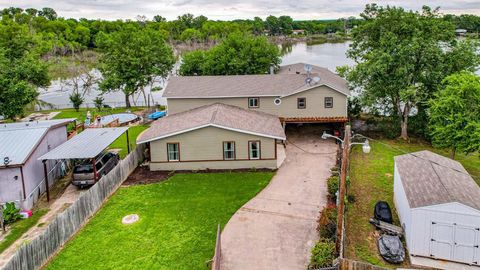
177,226
20,227
371,177
121,142
81,115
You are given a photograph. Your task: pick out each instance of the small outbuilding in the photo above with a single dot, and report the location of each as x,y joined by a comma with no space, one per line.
438,204
216,136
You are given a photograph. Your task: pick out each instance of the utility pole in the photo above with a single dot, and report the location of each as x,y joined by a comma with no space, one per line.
342,190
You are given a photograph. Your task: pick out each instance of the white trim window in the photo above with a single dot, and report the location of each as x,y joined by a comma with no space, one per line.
328,102
253,102
173,151
229,150
254,149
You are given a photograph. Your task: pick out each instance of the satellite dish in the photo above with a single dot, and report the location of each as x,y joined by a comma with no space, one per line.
307,68
316,79
308,80
6,161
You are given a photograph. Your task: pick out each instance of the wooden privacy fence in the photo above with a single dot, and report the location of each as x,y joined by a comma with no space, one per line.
36,253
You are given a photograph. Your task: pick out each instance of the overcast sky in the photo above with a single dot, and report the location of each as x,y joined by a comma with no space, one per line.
228,9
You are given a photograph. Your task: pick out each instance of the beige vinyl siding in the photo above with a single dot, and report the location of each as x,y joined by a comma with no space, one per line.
203,148
315,99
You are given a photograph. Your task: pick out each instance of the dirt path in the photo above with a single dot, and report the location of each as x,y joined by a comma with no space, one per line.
69,196
277,228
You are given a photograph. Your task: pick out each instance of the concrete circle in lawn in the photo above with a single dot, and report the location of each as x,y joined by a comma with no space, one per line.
130,219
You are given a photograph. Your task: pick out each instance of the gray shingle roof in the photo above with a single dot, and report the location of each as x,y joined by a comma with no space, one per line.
18,140
282,84
431,179
217,115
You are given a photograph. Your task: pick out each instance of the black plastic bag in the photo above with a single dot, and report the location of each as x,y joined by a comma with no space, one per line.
382,212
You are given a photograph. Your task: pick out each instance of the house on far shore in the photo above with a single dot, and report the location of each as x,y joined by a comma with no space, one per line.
294,95
461,32
21,174
214,136
298,32
438,204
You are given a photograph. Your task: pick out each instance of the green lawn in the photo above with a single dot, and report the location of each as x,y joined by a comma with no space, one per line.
372,180
177,227
121,142
18,228
81,115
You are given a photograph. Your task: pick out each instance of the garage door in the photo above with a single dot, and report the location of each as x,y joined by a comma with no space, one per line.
455,242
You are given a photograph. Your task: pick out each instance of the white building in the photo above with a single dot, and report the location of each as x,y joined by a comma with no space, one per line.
438,203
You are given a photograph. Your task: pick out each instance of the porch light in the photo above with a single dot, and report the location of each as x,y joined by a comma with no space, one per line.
365,145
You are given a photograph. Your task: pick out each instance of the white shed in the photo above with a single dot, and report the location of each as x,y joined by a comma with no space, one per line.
438,203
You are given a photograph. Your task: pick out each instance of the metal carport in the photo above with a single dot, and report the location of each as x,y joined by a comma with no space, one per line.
86,145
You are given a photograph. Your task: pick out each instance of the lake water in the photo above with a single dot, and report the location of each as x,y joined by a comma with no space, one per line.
329,55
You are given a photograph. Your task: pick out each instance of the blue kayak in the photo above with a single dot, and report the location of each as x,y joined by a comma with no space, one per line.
156,115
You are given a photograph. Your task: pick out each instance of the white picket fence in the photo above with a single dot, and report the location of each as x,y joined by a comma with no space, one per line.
34,254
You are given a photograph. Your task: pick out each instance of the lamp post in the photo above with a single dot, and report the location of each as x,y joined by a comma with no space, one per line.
345,144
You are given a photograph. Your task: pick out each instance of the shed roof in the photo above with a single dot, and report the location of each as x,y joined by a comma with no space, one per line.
19,140
87,144
216,115
432,179
283,84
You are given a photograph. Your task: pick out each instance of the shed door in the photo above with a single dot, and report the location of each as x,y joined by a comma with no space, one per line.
454,242
442,240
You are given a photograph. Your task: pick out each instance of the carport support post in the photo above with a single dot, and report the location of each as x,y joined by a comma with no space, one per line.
46,178
342,191
128,142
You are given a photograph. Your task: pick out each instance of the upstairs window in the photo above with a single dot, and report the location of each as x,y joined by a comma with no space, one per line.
228,150
328,102
253,102
173,151
301,103
254,149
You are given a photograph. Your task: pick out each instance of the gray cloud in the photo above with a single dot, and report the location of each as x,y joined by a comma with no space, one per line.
229,9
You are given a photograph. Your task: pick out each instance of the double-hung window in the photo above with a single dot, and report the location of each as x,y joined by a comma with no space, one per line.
228,150
328,102
254,149
173,151
302,103
253,102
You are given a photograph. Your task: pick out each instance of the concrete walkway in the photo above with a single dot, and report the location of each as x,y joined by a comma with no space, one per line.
277,228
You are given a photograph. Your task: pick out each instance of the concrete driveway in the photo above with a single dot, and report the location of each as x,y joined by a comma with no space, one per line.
277,228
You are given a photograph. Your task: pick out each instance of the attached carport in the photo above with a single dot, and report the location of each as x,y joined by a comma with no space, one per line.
86,145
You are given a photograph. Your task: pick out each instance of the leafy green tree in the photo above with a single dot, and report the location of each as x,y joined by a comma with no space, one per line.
132,59
192,63
190,35
48,13
158,18
402,56
272,25
237,54
98,101
21,70
286,25
455,114
77,100
258,26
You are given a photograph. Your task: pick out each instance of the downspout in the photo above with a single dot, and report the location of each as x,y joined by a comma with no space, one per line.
23,183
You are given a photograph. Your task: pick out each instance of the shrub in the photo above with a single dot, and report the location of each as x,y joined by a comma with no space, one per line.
11,213
323,253
77,100
98,102
332,184
327,223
